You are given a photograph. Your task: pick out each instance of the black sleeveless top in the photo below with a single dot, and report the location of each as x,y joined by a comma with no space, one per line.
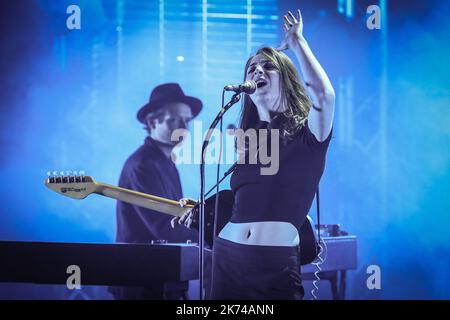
287,195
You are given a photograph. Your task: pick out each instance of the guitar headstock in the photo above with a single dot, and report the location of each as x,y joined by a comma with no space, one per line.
71,184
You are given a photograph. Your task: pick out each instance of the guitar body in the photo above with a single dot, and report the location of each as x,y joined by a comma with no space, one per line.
226,200
308,242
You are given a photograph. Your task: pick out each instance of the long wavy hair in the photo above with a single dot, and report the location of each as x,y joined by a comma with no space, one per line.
293,97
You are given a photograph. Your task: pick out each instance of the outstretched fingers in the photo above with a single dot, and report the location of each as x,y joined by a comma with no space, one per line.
287,21
300,19
293,18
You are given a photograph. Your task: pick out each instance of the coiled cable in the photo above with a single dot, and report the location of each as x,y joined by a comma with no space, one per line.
321,257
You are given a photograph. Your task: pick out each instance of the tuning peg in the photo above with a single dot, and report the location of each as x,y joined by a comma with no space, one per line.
64,177
75,176
82,173
70,176
50,177
57,176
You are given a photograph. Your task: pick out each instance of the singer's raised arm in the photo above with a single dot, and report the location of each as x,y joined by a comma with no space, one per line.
320,119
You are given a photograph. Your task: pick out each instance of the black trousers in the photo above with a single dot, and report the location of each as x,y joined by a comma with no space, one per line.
250,272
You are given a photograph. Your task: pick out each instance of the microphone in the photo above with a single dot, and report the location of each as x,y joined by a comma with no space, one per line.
247,87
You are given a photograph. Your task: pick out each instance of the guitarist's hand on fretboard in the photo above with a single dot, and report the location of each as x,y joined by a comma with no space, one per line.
189,218
79,186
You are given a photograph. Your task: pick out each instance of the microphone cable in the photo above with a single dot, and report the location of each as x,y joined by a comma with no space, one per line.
323,250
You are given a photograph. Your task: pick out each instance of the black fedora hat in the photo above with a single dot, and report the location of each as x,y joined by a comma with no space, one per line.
166,93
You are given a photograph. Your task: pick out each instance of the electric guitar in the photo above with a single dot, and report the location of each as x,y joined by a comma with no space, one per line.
80,186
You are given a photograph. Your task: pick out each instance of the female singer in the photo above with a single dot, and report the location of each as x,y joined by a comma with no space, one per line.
255,255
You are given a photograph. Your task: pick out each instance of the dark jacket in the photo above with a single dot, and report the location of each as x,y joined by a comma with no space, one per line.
149,171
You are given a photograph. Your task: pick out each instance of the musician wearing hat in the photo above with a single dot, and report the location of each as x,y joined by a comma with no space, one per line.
151,170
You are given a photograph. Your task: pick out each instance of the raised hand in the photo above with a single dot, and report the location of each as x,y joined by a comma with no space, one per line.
294,30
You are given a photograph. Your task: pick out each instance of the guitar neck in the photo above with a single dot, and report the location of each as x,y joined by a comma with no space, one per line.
140,199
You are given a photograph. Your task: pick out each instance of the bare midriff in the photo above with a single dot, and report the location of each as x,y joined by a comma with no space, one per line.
263,233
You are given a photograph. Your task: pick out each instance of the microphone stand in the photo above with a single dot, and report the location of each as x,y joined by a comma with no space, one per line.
236,97
226,174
